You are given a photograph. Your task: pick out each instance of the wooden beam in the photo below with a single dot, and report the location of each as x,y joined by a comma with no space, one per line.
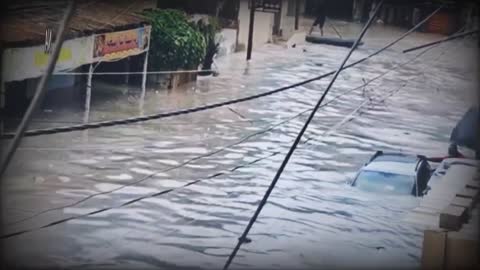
433,251
452,217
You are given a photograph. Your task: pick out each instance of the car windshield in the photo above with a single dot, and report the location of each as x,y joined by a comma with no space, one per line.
385,183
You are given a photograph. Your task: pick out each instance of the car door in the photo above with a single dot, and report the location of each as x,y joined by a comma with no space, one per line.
423,176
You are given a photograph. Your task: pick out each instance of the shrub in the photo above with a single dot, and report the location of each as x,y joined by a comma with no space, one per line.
175,44
209,31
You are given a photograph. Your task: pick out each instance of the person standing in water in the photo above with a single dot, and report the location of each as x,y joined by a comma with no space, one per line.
321,17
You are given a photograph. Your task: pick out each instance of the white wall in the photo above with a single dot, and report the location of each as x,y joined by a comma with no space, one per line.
228,41
263,28
287,23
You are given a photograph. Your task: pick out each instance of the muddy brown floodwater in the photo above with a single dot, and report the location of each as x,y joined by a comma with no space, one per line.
313,218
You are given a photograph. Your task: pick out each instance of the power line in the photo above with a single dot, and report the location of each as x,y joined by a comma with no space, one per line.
57,130
157,194
418,25
223,148
241,116
162,171
163,192
96,125
452,37
246,120
181,164
210,153
243,238
133,72
278,152
387,96
213,175
58,222
153,195
192,220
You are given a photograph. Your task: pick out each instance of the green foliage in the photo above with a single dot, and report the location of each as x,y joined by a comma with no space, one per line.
175,44
209,33
215,23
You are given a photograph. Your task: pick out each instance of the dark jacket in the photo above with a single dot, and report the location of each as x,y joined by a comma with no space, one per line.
466,131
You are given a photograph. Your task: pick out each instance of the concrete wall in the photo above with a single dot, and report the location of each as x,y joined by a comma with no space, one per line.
287,21
263,29
228,41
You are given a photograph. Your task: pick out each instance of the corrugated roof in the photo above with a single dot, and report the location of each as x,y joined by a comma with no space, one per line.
25,22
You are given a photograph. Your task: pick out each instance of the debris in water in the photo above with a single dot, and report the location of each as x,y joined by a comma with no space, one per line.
122,176
38,179
64,179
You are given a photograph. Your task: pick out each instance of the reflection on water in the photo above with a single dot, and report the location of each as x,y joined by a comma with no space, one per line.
313,219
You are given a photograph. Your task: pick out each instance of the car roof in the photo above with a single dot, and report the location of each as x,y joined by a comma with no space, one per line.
398,157
403,168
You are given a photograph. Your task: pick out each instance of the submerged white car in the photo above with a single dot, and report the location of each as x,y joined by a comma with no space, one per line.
393,173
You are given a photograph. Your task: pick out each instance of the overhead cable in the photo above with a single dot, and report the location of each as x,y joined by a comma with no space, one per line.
96,125
243,238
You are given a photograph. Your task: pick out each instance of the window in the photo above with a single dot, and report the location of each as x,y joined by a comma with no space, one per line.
385,183
267,5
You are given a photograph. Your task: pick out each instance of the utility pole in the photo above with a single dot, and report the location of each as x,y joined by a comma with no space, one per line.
250,30
297,13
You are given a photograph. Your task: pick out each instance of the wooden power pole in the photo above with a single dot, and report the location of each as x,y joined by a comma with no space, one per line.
250,30
297,13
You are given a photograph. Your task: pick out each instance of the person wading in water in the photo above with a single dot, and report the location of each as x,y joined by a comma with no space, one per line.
321,17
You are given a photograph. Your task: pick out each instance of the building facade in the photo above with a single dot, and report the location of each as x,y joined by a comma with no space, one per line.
113,33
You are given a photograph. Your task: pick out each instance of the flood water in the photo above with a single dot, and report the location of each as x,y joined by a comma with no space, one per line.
313,218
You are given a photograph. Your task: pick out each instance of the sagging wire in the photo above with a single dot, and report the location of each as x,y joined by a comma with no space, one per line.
365,83
210,153
95,125
225,172
58,222
157,194
153,195
243,238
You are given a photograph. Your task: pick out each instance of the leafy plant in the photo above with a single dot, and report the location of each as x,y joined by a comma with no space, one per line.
175,44
209,32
